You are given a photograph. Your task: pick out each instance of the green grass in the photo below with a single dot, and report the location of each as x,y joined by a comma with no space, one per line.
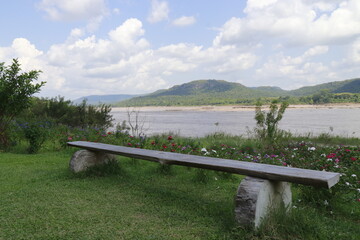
41,199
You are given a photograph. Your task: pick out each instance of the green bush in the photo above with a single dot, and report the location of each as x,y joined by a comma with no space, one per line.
36,134
63,112
267,122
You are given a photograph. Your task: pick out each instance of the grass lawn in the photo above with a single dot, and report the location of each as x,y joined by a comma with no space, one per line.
41,199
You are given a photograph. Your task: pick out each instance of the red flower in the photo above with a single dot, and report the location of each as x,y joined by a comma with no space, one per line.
70,138
353,158
129,144
170,138
331,155
153,143
173,150
164,146
109,133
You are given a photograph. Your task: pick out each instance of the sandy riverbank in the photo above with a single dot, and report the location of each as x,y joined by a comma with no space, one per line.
237,108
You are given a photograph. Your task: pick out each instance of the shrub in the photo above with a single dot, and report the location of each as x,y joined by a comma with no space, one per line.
63,112
36,134
267,123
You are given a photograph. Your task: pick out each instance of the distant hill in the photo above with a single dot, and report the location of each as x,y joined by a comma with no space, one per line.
351,86
201,92
214,92
107,99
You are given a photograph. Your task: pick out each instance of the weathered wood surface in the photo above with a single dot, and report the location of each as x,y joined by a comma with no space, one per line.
265,171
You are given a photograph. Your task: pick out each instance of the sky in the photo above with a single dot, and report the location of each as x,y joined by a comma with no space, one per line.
99,47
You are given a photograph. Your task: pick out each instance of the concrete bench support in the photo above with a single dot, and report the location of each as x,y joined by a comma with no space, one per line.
83,159
256,197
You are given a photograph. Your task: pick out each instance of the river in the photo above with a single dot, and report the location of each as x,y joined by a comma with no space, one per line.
335,121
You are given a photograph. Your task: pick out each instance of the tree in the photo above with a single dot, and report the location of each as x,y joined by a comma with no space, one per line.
267,123
16,89
324,96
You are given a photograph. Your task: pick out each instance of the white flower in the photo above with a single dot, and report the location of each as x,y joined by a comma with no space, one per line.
347,184
203,150
353,175
214,151
323,155
358,190
311,149
326,203
329,160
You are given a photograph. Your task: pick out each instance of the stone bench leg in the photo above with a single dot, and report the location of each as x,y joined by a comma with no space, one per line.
83,159
256,197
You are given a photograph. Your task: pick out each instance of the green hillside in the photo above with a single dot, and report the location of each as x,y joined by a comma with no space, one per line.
219,92
203,92
351,86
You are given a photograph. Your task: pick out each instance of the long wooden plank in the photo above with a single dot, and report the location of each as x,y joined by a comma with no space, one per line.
266,171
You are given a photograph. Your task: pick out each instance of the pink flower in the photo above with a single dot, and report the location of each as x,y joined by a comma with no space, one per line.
70,138
331,155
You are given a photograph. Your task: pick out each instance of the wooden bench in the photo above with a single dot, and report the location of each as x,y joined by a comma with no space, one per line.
266,186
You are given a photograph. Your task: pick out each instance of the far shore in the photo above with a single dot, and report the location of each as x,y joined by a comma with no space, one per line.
235,108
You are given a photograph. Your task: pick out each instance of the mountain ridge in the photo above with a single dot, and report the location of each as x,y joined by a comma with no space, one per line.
213,92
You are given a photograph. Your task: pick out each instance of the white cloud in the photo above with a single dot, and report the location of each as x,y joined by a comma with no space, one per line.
295,22
116,11
123,62
292,72
70,10
31,58
354,53
184,21
127,33
159,11
287,43
76,33
317,50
